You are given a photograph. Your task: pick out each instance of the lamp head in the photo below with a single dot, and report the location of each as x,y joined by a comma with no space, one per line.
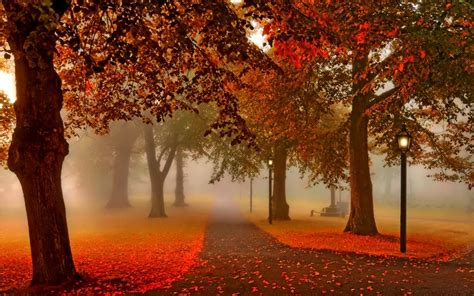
404,140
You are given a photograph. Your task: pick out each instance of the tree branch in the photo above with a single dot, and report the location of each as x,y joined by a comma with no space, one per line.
169,160
382,97
162,153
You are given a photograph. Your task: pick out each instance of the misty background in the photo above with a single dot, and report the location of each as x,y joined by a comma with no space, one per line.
87,182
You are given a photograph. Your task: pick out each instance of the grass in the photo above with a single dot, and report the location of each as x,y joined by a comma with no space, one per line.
439,234
114,250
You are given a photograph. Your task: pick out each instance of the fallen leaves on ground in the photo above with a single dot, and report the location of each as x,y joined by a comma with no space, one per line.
119,252
430,235
383,245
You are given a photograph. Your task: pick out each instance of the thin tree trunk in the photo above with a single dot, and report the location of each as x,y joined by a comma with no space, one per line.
158,198
123,151
179,191
361,218
38,147
281,209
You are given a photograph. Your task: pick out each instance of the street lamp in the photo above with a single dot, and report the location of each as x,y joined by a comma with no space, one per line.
270,166
404,142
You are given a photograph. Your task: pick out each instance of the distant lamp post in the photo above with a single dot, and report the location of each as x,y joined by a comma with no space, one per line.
251,195
270,167
404,143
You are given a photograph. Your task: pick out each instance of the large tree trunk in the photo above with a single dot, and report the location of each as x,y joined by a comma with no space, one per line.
157,176
280,207
179,191
361,218
123,151
38,147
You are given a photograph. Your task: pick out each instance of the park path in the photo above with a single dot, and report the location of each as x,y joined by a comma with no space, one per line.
240,258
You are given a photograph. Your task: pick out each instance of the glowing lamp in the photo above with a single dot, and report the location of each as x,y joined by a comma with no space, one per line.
404,140
270,162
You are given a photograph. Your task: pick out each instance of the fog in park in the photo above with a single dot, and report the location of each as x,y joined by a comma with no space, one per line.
88,173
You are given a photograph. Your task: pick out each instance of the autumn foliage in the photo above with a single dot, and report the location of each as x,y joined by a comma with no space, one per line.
7,118
431,236
118,253
381,244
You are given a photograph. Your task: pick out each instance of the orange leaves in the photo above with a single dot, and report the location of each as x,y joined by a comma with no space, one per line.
382,245
401,67
139,256
89,87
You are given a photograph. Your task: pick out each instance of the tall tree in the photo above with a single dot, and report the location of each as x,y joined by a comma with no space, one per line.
38,146
283,109
123,140
185,132
179,196
158,174
391,56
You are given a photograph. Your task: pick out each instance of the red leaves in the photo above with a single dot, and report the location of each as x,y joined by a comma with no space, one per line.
360,37
296,51
401,67
89,87
305,236
266,29
410,59
422,53
364,26
136,258
393,33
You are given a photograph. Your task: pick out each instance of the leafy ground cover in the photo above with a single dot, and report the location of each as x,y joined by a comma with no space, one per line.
430,235
119,251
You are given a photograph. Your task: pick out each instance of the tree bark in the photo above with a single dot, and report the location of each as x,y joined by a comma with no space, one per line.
123,152
179,191
361,218
157,198
38,146
280,208
157,176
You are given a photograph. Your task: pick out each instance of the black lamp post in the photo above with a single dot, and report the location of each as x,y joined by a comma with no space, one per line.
270,166
404,142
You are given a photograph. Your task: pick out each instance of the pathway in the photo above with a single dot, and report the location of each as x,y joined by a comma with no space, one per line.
239,258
